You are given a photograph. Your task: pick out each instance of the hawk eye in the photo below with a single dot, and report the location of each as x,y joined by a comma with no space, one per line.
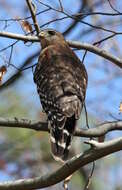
51,32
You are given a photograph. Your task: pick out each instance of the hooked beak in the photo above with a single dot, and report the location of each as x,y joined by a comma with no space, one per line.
41,34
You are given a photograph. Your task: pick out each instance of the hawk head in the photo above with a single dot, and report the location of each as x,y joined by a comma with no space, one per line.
51,37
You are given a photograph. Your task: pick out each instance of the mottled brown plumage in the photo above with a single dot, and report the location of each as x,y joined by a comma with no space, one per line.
61,81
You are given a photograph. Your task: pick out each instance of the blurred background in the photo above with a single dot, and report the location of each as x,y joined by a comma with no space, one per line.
26,153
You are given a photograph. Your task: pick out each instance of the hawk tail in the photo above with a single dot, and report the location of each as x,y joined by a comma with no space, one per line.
60,136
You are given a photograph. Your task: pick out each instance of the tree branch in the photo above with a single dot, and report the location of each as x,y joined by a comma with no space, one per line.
19,37
98,131
117,61
31,8
69,167
97,51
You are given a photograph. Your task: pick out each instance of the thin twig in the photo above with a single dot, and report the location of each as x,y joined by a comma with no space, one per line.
113,7
24,18
23,69
87,124
76,18
61,6
9,62
86,114
29,2
90,177
104,39
93,164
84,56
5,48
66,181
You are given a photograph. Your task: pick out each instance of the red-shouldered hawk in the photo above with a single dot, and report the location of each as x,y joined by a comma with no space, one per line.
61,80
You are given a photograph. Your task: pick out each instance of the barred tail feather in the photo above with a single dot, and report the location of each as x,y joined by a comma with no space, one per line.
61,137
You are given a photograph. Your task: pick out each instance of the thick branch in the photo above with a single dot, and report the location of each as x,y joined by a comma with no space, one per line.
74,44
25,123
31,8
67,169
19,37
97,51
98,131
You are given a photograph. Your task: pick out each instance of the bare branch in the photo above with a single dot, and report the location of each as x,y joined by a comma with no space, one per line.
29,2
97,145
73,44
69,167
98,13
41,125
89,180
75,17
97,51
25,123
61,6
103,23
24,18
19,37
113,7
9,46
104,39
100,130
